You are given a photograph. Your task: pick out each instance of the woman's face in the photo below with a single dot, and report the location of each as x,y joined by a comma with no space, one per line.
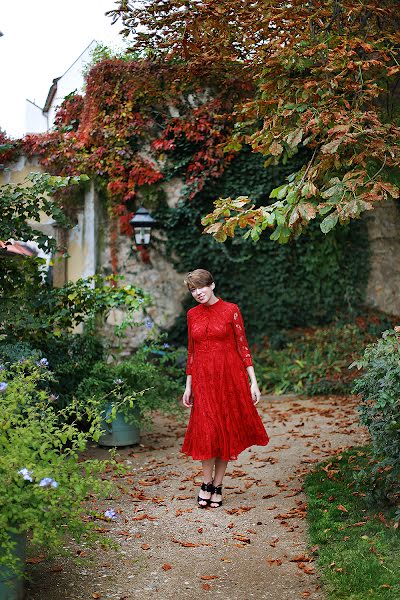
202,295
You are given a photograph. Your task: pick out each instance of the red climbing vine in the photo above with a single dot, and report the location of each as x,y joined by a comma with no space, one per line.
140,124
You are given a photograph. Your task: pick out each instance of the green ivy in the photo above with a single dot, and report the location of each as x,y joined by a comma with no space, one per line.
302,283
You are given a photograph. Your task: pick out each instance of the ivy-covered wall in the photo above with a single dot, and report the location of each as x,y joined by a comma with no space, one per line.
302,283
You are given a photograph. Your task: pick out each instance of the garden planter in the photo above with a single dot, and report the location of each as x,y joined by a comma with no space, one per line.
118,432
12,585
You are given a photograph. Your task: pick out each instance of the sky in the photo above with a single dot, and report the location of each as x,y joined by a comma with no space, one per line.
41,39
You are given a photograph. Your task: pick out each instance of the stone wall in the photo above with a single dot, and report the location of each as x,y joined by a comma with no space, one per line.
383,291
158,278
89,252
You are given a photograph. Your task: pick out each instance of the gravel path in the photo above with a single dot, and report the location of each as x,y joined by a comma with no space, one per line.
254,547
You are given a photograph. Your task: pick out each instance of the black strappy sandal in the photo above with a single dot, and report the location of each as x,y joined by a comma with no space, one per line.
205,487
216,489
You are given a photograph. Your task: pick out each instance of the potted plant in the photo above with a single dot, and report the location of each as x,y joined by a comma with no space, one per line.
42,484
129,391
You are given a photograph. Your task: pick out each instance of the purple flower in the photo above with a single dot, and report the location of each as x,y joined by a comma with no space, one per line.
111,514
118,381
48,482
26,474
148,322
3,386
166,345
43,362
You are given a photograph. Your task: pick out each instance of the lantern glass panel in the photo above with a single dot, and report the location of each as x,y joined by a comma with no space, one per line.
142,236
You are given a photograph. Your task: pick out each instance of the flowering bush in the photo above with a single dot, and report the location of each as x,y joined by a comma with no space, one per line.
42,484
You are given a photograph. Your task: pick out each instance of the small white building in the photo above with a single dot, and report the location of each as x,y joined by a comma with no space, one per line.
40,120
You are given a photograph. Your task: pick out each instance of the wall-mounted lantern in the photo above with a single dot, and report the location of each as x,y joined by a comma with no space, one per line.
142,224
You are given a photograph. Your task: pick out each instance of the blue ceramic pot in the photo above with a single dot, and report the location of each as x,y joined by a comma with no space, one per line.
118,432
12,585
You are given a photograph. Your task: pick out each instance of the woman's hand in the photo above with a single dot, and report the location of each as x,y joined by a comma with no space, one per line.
255,393
187,398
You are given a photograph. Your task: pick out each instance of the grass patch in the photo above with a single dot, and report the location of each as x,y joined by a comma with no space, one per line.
358,547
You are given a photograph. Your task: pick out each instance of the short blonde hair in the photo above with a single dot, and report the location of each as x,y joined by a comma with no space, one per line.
198,278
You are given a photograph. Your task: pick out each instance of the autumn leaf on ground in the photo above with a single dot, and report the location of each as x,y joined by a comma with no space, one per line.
144,516
57,569
206,586
34,560
181,511
239,511
342,508
241,538
145,547
166,567
301,558
274,561
209,577
188,544
96,595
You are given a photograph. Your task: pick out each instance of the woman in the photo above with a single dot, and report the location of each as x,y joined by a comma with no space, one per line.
223,420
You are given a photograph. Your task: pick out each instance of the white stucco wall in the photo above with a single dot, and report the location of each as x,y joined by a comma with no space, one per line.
38,122
35,120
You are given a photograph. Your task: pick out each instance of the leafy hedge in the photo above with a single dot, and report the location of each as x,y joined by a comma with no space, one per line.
379,387
299,284
315,361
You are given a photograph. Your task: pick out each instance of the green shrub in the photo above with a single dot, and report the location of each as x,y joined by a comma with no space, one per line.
70,359
153,369
379,388
43,481
315,361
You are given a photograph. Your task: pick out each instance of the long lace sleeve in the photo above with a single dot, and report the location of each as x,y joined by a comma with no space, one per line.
190,349
240,336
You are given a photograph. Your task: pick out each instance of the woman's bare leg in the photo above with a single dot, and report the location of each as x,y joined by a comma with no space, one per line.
208,468
220,468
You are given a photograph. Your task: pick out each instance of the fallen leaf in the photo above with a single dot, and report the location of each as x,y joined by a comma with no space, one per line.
274,561
241,538
206,586
239,511
181,511
300,558
342,508
209,577
34,560
166,567
187,544
57,569
96,595
145,547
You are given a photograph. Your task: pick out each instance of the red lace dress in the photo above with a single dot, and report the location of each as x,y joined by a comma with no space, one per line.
223,419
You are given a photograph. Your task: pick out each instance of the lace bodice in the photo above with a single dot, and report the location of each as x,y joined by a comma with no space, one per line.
216,328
